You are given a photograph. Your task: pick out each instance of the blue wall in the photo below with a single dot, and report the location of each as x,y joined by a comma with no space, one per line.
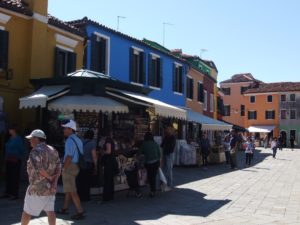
119,64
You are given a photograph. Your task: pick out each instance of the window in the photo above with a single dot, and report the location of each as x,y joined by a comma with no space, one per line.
293,114
226,91
200,92
155,71
189,88
100,53
177,78
211,102
4,35
270,115
65,62
243,89
220,105
283,98
226,110
283,114
242,110
292,97
137,66
269,98
205,101
252,99
252,115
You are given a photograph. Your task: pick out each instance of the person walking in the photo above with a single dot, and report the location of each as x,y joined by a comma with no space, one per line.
14,151
85,176
43,168
249,151
110,169
205,148
226,145
280,142
292,142
73,147
151,151
233,149
274,145
168,146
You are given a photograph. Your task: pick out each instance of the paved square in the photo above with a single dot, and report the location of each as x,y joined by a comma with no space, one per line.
266,193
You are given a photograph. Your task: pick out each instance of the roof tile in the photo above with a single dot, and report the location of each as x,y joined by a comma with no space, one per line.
274,87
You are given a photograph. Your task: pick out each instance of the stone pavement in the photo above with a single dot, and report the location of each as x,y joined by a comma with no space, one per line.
266,193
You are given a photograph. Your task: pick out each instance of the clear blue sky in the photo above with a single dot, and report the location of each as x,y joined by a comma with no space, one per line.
257,36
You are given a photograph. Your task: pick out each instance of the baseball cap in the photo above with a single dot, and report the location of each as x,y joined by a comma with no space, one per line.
37,133
70,124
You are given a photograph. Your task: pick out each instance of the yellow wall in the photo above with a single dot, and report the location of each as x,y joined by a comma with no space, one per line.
31,55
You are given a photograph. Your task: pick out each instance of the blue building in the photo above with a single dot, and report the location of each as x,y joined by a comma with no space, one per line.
134,61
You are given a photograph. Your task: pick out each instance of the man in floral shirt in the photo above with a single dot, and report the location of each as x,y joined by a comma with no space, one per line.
43,169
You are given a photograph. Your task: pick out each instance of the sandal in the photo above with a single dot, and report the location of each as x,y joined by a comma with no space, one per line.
62,211
78,216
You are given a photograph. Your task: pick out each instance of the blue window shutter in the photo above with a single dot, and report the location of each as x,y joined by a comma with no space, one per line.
150,74
142,68
161,74
94,54
4,41
174,77
131,52
181,82
103,46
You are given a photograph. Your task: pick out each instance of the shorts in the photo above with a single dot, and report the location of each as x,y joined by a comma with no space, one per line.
69,178
34,205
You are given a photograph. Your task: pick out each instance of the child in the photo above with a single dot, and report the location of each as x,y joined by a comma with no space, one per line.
274,147
249,151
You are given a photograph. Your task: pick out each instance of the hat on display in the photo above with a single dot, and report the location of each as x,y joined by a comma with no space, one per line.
37,134
70,124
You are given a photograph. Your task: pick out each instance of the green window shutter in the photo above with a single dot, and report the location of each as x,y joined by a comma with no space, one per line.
192,88
200,92
142,68
150,69
161,73
72,57
131,64
57,63
4,41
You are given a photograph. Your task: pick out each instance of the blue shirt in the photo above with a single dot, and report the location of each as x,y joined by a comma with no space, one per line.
14,147
71,148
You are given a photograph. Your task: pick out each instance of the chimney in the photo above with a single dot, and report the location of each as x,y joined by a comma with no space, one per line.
38,6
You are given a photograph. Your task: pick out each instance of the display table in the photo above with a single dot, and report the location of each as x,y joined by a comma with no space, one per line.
217,155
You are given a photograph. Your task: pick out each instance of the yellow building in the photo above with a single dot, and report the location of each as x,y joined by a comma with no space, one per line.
33,45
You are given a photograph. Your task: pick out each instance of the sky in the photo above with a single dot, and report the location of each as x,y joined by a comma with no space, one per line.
261,37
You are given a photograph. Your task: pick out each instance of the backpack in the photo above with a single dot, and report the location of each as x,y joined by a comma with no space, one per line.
81,161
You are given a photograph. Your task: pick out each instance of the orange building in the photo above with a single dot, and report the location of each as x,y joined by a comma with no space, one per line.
262,112
234,99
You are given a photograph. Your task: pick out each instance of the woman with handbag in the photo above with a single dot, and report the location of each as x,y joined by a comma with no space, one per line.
14,151
110,169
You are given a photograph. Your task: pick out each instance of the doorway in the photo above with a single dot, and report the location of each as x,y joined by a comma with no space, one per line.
284,136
